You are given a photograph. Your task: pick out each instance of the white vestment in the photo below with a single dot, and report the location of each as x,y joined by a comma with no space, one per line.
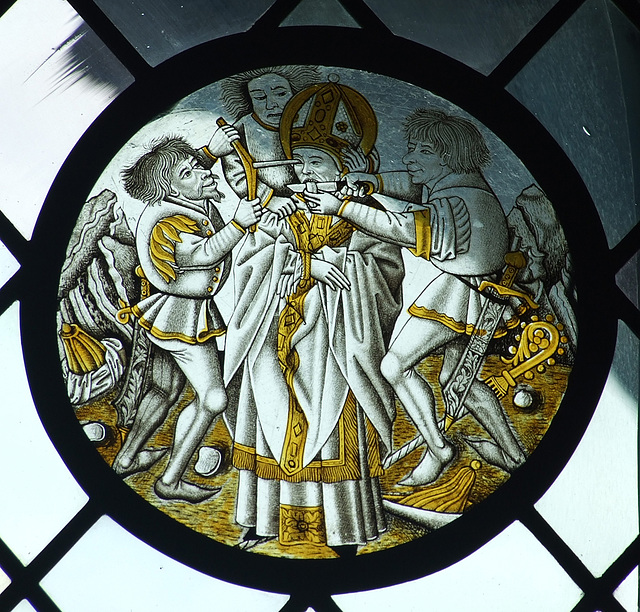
309,409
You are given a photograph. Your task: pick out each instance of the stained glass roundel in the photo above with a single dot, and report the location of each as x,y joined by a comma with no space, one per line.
311,313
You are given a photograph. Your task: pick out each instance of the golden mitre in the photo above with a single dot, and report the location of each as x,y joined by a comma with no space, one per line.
328,116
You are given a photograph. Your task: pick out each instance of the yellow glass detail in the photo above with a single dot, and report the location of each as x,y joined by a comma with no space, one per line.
209,154
345,466
84,353
162,244
238,226
201,336
450,496
302,525
422,219
462,328
528,356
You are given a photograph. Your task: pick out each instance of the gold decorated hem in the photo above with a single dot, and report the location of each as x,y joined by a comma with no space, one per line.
207,334
302,525
202,336
209,154
433,315
346,466
260,122
328,471
238,226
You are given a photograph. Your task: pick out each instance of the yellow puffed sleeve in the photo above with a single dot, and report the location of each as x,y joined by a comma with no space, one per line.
423,234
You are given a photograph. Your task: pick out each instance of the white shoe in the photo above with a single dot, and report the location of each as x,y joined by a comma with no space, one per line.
209,461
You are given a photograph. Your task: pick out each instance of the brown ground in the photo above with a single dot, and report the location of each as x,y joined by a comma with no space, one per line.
214,518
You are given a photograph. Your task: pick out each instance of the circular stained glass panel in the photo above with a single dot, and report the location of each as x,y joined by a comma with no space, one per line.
314,312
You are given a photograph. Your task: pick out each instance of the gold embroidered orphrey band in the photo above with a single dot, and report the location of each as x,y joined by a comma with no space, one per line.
346,466
310,237
302,525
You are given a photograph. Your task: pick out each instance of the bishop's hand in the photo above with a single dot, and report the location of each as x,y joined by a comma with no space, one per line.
288,283
281,207
330,275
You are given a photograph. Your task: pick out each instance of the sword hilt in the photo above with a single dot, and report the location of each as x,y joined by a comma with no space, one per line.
515,261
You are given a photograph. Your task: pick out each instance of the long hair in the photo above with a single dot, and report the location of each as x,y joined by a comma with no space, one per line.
235,90
456,139
149,178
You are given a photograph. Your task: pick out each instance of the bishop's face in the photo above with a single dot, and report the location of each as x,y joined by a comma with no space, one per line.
269,95
423,163
194,182
315,165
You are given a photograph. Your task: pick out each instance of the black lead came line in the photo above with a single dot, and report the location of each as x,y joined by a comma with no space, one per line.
25,580
534,41
598,594
112,37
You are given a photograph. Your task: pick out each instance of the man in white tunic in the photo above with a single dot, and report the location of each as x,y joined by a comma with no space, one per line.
461,228
316,301
184,248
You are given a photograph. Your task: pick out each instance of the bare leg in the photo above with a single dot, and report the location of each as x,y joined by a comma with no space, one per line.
483,404
418,339
201,366
167,383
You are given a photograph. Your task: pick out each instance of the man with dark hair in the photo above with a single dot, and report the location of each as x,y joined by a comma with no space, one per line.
184,249
255,100
457,223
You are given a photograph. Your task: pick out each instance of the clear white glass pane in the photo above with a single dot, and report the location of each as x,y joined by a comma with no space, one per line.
627,592
4,581
573,87
498,577
23,606
42,493
593,505
320,12
8,264
61,78
107,553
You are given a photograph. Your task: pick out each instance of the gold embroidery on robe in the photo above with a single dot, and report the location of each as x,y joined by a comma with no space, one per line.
310,236
302,525
346,466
